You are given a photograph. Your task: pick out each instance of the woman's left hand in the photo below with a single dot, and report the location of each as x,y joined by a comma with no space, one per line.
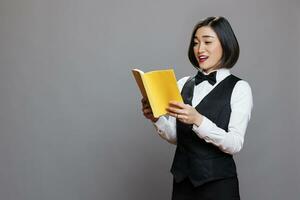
184,113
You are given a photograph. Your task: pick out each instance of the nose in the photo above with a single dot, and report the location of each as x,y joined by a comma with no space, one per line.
200,49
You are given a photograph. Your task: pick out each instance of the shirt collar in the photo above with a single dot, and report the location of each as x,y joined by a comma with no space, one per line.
222,73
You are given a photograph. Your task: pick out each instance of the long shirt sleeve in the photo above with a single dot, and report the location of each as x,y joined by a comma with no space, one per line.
232,141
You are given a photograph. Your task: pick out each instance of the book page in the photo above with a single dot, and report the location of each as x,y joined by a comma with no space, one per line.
139,80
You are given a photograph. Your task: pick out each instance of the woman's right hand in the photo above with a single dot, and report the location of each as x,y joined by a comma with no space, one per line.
147,111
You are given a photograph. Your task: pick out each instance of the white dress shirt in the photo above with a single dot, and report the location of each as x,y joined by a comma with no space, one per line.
241,106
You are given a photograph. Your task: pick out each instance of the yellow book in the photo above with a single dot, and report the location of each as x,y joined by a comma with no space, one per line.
159,87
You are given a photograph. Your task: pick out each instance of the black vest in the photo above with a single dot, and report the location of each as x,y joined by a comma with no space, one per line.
194,158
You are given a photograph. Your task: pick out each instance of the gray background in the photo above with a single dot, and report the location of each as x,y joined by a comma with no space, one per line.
70,120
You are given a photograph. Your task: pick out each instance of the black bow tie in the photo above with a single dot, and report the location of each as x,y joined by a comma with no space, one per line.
211,78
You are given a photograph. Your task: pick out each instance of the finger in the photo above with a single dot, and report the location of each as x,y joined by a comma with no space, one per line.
146,106
144,100
173,114
180,117
147,111
176,110
148,116
177,104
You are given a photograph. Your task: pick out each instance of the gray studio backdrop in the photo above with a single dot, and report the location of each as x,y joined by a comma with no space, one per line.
71,127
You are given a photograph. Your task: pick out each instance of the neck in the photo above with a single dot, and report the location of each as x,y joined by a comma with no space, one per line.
208,71
216,67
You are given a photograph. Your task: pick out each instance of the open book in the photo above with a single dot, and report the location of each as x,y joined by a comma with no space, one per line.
159,87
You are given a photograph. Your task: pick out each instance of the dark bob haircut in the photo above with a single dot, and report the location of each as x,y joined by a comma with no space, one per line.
229,43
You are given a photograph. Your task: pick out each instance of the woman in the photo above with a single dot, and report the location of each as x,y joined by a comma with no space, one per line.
209,127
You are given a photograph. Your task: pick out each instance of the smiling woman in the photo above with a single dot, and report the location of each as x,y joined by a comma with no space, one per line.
215,37
207,49
209,127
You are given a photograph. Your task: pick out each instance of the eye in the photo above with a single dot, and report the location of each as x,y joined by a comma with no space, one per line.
207,42
194,43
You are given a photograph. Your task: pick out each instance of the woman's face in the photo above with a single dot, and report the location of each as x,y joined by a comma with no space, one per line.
207,49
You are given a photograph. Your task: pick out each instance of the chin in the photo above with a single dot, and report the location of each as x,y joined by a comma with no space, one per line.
203,68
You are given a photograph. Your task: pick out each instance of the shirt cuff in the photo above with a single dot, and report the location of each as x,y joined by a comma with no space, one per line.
160,122
204,129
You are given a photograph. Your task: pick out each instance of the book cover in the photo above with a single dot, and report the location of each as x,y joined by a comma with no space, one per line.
159,87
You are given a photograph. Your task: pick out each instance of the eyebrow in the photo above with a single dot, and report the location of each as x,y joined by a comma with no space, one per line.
204,36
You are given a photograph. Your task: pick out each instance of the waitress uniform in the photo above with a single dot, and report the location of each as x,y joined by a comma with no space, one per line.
203,166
